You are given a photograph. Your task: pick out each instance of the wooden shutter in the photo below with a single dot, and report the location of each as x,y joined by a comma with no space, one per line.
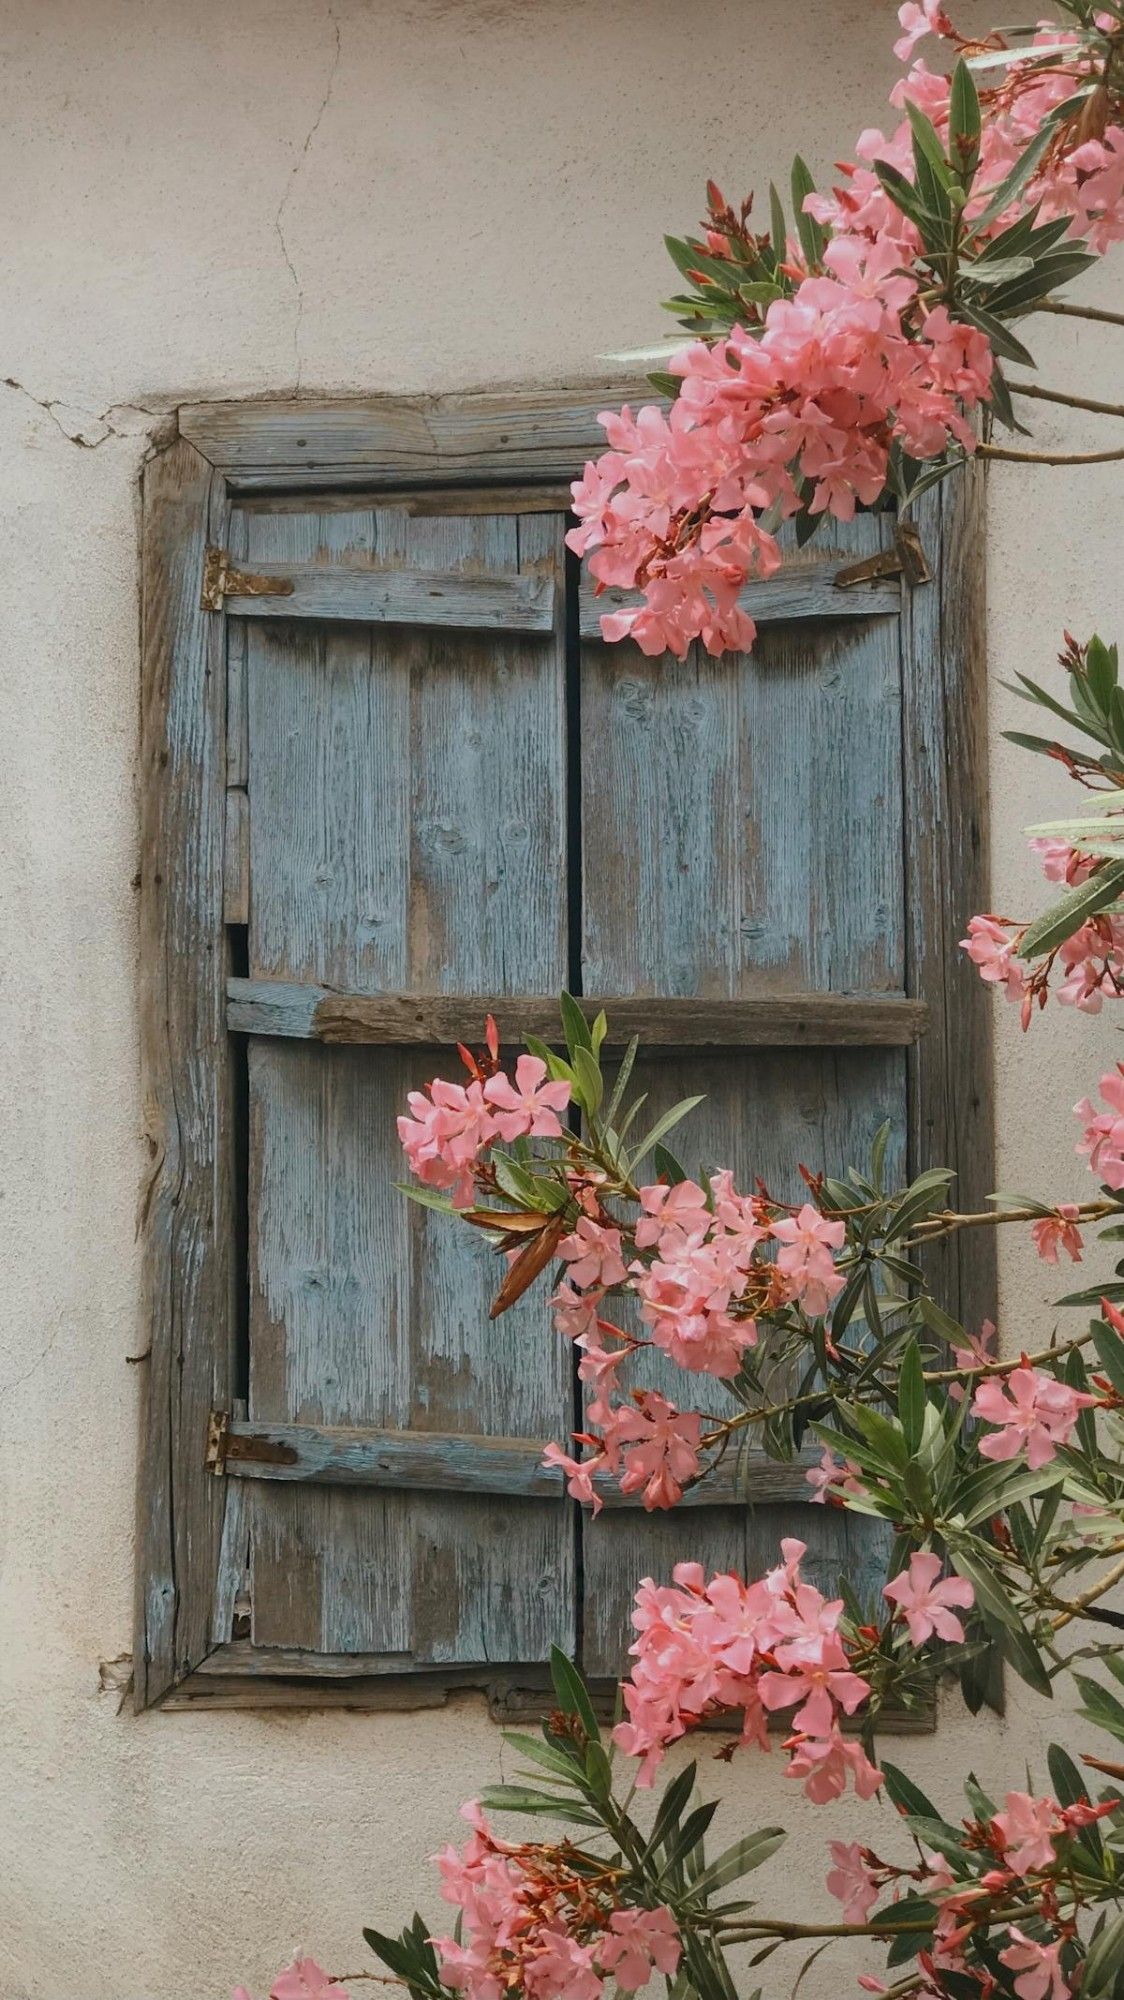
392,779
407,827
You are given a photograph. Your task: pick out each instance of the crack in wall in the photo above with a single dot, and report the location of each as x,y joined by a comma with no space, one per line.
290,188
90,428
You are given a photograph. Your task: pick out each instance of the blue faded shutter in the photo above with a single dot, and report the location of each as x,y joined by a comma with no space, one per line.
742,824
404,772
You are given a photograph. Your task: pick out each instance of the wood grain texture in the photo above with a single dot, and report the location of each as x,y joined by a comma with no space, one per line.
947,863
335,592
762,1116
438,1462
402,1020
742,816
531,437
406,825
187,1071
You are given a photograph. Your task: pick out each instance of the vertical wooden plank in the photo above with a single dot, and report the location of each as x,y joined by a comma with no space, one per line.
407,830
764,1114
187,1069
947,864
730,809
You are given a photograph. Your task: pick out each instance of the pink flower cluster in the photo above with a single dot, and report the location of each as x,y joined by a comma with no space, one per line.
452,1123
1103,1141
1092,961
701,1264
649,1445
1033,1413
531,1923
704,1647
683,506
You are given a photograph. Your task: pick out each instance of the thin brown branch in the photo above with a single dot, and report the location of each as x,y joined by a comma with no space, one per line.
1077,1605
1099,313
1047,457
1041,395
950,1219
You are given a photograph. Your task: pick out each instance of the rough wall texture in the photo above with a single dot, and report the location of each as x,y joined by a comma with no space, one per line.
225,201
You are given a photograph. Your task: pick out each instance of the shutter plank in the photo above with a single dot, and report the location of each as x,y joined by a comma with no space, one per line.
741,801
407,824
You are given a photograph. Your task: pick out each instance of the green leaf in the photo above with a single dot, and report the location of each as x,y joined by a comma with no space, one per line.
998,334
911,1396
426,1197
537,1805
671,1806
1013,182
572,1693
964,122
1020,1650
1104,1959
621,1084
551,1756
574,1024
1073,909
1101,1708
1110,1353
738,1859
905,1795
667,1167
589,1083
812,237
598,1031
670,1118
778,225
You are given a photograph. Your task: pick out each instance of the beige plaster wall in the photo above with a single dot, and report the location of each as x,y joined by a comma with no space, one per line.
205,199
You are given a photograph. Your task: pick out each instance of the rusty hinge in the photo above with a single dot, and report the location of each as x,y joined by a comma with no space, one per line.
222,578
243,1447
907,558
218,1438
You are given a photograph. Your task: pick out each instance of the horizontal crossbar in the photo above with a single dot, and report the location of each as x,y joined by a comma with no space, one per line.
436,1462
391,597
403,1020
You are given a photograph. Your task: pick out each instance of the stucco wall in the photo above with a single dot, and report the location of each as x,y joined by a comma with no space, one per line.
207,199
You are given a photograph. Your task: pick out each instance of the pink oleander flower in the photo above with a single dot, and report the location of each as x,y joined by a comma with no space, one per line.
675,1218
925,1600
1059,1231
824,1764
918,21
992,952
831,1477
593,1252
1103,1143
531,1105
979,1351
685,1298
1039,1969
1026,1827
808,1240
1033,1413
640,1942
1062,863
851,1881
575,1313
450,1127
659,1446
302,1980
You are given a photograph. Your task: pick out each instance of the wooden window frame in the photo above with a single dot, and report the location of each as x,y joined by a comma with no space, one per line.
187,1574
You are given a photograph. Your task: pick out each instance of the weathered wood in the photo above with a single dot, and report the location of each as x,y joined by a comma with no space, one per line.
187,1070
236,858
384,442
398,597
436,1462
798,591
407,821
947,861
403,1020
741,817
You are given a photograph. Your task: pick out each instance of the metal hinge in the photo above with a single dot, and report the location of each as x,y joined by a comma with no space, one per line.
222,578
218,1437
907,558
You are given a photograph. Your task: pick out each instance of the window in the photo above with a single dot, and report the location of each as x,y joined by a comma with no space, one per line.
393,779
